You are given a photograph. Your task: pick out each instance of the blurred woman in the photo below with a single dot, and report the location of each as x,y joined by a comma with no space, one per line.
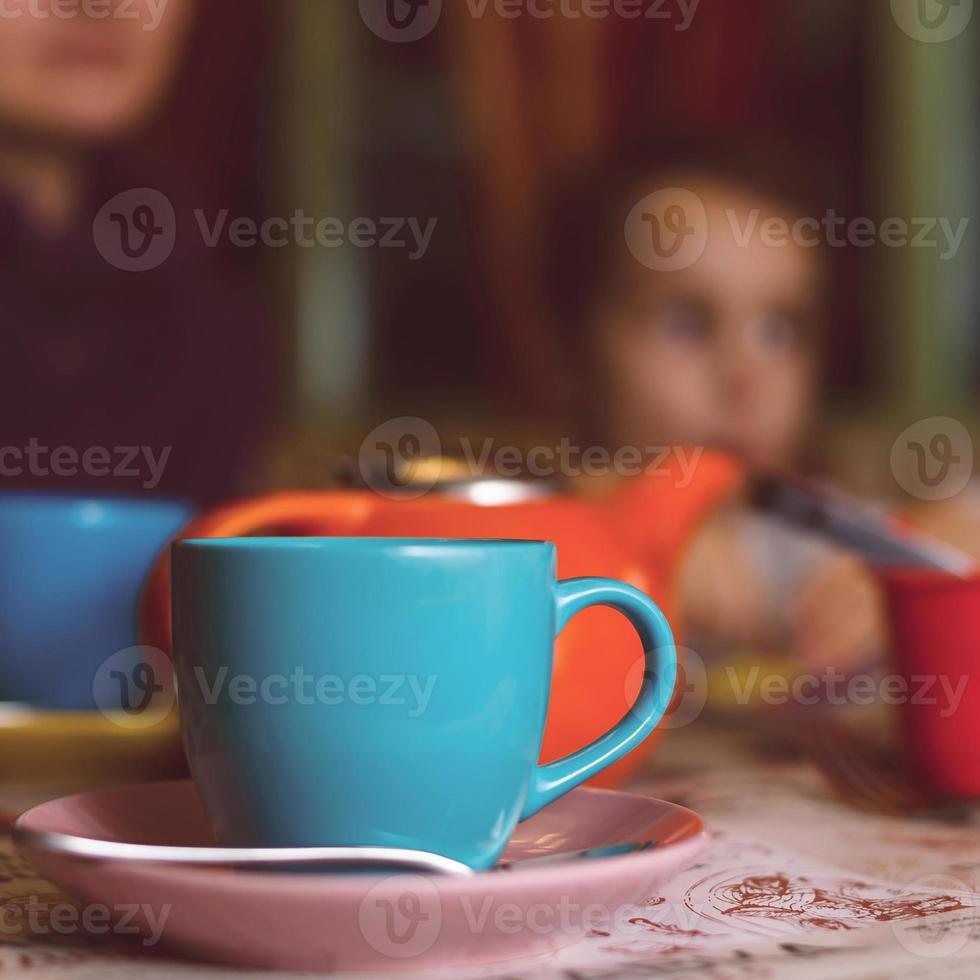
122,329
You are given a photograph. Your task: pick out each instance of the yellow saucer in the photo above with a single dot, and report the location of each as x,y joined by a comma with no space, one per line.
41,746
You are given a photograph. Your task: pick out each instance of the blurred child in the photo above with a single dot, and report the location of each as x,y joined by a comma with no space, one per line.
723,352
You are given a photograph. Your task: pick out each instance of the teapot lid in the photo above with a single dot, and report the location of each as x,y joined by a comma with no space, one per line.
445,475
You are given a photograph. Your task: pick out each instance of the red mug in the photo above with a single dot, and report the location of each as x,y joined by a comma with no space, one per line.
935,626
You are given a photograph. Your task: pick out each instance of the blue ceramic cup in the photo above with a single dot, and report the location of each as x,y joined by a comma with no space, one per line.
71,569
383,691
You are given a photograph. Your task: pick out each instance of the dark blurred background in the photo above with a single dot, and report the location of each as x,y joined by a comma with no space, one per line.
474,123
275,107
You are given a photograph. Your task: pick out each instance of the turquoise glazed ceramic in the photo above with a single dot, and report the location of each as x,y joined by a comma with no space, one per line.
386,691
71,569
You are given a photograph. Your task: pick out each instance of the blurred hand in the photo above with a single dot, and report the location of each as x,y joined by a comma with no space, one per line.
722,598
838,619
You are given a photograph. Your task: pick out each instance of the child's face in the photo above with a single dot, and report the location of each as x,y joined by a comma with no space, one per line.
81,72
719,353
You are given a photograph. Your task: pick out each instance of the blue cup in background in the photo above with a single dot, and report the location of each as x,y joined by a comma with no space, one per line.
71,570
385,691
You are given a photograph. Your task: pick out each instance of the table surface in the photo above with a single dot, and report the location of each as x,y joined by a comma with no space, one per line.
795,882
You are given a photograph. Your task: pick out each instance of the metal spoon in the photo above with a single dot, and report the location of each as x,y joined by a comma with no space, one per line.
286,858
855,526
274,858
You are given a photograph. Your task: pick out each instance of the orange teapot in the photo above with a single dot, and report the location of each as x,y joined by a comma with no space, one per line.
634,533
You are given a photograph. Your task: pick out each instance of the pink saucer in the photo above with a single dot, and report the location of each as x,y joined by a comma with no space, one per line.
316,921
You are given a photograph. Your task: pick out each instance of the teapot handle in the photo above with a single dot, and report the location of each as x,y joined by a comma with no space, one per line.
309,513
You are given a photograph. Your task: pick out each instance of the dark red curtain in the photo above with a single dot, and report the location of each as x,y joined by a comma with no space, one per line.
210,135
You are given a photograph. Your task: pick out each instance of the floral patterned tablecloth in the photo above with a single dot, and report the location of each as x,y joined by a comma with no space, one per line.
794,883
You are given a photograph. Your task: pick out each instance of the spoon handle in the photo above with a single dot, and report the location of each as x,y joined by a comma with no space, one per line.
857,527
273,858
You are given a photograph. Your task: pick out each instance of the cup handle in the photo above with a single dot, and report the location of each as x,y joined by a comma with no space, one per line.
550,781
